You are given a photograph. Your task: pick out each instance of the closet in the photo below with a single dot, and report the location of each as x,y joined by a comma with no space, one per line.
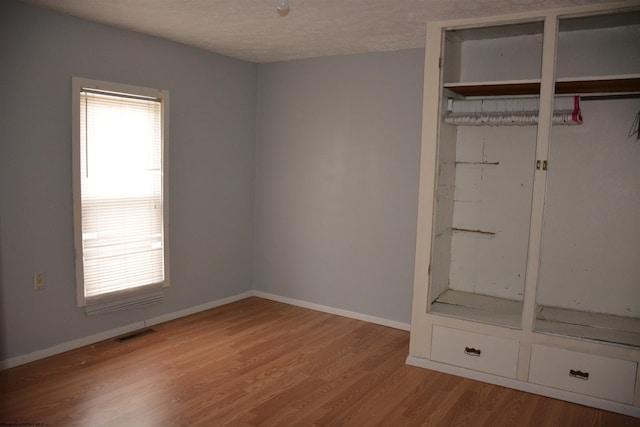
485,177
589,277
527,268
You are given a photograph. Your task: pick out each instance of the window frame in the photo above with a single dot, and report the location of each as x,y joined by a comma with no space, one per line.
136,296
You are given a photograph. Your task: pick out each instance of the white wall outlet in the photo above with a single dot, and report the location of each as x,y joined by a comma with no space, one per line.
38,281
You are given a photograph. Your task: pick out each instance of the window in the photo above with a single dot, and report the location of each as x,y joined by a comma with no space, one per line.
120,194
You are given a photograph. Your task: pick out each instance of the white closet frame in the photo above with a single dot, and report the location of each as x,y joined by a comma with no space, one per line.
515,345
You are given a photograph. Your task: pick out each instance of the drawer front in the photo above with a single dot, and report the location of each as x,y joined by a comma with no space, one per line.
598,376
479,352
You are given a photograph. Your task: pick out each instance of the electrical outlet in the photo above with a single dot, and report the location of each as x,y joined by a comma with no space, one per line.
38,281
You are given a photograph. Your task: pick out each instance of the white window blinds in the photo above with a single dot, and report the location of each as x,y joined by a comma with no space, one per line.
122,213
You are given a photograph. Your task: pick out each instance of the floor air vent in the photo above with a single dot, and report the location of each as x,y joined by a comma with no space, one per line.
136,334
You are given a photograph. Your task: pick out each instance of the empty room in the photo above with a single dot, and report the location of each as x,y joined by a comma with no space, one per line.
314,212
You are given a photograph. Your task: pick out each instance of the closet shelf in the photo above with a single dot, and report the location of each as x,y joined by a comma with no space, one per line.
588,325
618,84
510,88
479,308
607,86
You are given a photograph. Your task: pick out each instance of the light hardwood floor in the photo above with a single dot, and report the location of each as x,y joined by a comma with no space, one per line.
259,362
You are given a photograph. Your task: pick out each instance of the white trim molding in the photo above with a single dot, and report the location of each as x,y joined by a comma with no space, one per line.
332,310
105,335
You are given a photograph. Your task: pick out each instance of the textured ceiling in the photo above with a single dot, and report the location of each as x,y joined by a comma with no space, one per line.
252,29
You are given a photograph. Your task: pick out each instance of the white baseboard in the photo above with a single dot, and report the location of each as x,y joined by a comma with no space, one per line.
92,339
332,310
197,308
568,396
69,345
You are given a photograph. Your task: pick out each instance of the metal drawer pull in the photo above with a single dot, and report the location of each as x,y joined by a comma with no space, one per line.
472,351
579,374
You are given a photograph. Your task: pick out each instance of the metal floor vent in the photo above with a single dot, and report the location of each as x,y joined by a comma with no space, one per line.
136,334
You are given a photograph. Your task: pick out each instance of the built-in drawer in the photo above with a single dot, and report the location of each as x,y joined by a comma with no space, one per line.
583,373
479,352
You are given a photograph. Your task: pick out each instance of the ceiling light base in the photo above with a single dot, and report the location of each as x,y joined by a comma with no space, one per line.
283,7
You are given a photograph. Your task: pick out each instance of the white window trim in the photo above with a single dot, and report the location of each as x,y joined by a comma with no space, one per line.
146,294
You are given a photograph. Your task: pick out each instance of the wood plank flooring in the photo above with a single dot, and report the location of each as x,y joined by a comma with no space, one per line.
258,362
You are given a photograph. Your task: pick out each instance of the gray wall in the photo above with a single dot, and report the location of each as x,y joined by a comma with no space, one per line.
212,166
324,170
337,180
